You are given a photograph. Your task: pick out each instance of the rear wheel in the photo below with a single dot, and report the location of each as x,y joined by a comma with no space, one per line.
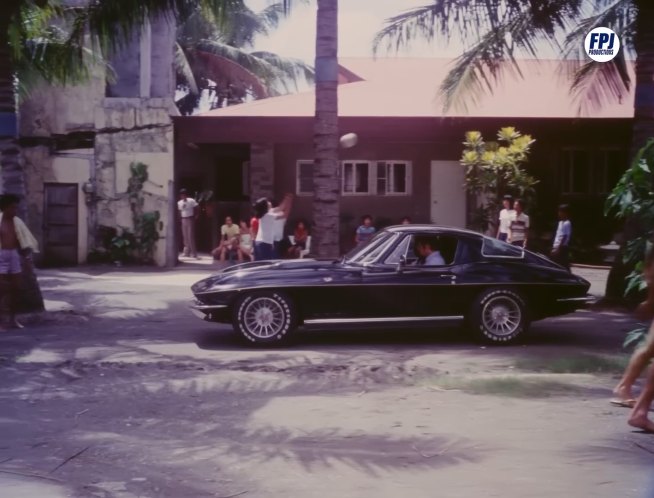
265,318
498,316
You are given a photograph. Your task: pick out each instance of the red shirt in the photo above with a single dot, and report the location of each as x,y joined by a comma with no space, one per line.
254,227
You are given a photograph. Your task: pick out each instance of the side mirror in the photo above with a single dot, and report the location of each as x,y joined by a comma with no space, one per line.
401,264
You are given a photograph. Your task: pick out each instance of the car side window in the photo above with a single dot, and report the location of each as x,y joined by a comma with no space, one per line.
438,250
401,250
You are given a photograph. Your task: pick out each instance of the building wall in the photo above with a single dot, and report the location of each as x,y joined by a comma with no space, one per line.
127,121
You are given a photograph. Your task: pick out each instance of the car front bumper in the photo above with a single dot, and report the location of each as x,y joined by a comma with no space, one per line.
210,312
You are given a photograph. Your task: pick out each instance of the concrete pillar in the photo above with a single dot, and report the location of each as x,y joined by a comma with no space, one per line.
162,50
145,54
262,170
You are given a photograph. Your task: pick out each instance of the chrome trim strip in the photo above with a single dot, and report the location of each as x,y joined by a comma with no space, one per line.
325,321
208,307
575,299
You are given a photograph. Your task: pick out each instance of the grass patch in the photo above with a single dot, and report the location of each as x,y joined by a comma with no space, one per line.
511,386
581,364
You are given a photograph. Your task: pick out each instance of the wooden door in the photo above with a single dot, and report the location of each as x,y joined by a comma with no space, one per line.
60,229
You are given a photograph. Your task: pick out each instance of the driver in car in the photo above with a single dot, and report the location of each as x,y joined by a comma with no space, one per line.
428,253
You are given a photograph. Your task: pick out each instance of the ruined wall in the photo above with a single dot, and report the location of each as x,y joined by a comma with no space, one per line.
121,122
134,130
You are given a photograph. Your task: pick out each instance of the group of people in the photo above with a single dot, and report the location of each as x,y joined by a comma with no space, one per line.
513,227
264,236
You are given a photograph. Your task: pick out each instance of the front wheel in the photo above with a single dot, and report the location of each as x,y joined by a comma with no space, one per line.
265,318
498,316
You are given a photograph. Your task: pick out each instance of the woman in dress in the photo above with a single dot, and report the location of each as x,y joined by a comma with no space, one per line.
300,234
245,242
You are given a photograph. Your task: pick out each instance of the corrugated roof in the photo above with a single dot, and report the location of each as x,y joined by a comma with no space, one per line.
408,87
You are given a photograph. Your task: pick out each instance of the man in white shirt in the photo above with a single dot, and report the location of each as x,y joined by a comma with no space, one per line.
561,245
187,207
427,250
507,214
519,229
278,236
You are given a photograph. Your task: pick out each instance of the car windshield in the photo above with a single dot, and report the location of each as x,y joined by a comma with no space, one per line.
362,252
495,248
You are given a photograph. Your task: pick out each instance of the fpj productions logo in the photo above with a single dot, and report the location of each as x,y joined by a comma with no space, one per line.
602,44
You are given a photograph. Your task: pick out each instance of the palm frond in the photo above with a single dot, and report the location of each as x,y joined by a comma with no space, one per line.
227,72
183,69
595,84
291,69
480,67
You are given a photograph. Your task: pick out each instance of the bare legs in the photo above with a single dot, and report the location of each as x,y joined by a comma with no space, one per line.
638,417
637,364
9,288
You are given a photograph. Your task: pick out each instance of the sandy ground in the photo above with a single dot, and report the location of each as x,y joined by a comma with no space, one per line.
128,395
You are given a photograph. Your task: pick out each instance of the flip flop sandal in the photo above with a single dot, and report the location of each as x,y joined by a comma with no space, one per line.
625,403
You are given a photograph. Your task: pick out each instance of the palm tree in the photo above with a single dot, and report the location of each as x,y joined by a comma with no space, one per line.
494,33
218,58
326,170
47,38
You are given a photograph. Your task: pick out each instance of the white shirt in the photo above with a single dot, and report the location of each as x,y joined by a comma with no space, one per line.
266,232
187,207
435,259
278,229
506,217
563,233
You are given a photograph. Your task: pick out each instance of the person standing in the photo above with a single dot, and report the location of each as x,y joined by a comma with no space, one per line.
506,216
15,241
519,228
266,215
188,209
561,246
365,231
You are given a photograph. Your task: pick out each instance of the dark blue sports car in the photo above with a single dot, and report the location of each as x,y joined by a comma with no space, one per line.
404,275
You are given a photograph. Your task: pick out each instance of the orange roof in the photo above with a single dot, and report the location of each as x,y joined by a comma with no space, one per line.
408,87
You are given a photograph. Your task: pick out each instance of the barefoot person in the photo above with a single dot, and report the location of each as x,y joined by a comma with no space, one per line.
641,358
15,239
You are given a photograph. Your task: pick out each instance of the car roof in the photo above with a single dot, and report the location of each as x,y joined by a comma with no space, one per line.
431,228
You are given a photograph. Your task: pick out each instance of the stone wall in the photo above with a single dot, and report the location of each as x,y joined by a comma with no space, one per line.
128,131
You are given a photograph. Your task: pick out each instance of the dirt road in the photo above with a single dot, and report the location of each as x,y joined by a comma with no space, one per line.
130,396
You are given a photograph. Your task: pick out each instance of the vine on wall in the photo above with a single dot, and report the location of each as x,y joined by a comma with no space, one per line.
145,223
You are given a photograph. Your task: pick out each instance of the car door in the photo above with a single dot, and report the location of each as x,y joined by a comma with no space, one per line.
402,287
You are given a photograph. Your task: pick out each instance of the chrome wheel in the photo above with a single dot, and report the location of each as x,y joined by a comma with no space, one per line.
501,316
264,317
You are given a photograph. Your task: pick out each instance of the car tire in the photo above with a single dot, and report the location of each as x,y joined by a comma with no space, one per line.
498,316
265,318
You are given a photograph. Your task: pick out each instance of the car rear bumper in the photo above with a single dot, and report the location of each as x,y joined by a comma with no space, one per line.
210,312
570,304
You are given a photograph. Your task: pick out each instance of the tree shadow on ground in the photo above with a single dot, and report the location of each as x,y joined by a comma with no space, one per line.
189,433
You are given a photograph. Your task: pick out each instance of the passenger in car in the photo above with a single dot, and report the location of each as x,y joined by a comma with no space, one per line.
428,252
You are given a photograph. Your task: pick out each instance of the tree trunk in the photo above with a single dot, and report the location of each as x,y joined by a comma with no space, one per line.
643,125
11,169
326,177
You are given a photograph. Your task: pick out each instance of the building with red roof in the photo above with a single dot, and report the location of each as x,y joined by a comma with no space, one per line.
406,160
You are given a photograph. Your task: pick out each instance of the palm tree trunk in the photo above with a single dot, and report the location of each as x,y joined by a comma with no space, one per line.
326,170
11,169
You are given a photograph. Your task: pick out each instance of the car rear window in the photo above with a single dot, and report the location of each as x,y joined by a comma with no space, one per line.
495,248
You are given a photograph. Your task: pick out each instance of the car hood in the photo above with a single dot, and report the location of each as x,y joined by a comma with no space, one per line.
262,272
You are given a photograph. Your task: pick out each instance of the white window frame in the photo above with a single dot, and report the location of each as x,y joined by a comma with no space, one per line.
298,165
408,165
372,177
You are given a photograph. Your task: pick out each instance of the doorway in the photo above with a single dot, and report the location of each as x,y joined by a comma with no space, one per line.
60,224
